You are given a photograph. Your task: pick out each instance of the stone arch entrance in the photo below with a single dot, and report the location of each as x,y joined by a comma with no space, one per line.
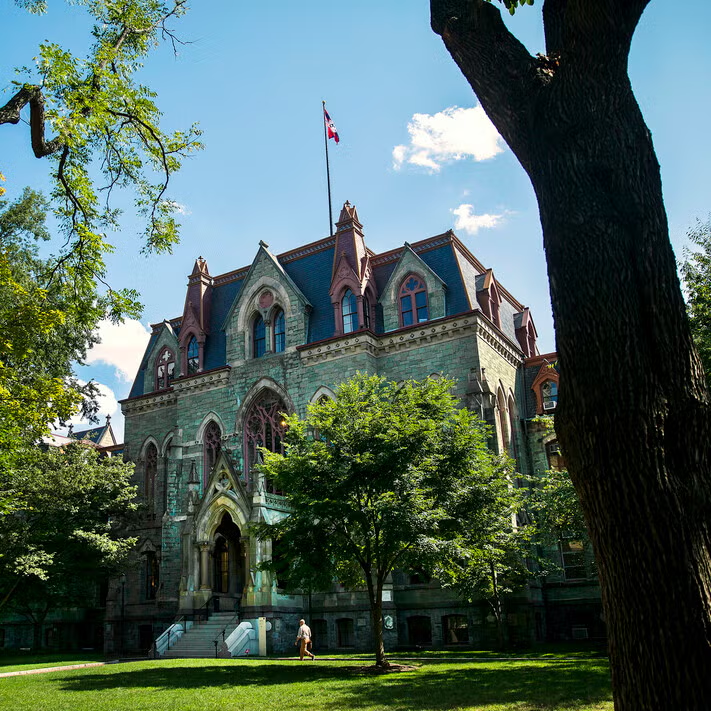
228,564
228,560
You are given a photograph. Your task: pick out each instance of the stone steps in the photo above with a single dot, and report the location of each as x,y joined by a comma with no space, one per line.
199,640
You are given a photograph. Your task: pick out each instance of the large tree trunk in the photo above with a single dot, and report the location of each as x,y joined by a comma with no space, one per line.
634,414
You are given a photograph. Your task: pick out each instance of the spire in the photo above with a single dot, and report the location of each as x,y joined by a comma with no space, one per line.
200,268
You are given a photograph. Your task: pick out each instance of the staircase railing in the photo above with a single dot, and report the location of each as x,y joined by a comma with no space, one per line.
170,636
221,633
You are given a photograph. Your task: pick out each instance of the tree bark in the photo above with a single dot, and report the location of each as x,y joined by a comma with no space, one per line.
375,595
633,415
10,113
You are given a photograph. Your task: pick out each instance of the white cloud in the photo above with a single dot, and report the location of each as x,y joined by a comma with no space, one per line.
107,405
122,346
178,207
450,135
471,223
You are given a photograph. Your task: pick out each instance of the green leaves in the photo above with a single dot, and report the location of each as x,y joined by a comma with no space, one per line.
64,534
106,131
511,5
696,273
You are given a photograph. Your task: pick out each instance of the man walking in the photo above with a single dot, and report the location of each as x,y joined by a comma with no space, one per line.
303,638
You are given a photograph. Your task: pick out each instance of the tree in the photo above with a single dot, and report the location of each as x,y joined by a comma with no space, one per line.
633,414
66,535
376,479
696,272
45,326
493,554
88,117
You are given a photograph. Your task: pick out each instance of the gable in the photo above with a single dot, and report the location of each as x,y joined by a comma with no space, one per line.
265,287
411,263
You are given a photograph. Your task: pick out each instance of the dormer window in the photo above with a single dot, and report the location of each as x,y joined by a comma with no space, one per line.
193,356
349,309
413,301
279,332
549,395
165,369
259,337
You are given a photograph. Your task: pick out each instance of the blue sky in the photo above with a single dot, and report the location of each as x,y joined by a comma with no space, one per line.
253,77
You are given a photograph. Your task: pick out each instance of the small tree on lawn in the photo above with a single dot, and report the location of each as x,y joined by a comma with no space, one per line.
377,479
65,537
493,554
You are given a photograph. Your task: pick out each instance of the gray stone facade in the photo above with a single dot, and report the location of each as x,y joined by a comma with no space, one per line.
194,540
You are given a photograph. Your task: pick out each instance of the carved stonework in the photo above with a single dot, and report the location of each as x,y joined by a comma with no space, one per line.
266,299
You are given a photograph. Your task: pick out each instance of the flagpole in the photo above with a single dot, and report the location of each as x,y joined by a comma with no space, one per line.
328,171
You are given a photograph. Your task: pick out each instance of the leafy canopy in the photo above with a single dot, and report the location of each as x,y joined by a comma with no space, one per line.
105,133
386,475
47,323
64,536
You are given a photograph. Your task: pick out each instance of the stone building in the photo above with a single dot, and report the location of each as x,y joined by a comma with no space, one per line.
270,338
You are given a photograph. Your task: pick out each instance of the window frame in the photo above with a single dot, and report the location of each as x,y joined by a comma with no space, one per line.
160,363
258,323
192,356
279,337
408,296
351,315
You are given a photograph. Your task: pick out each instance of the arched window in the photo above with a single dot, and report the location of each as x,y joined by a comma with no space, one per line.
503,422
366,312
279,332
349,309
150,473
212,444
193,354
165,369
413,301
259,336
264,427
513,447
549,395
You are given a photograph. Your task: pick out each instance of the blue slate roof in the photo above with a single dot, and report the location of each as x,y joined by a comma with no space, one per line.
311,271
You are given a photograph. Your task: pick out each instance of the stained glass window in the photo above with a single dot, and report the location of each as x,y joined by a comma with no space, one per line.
264,427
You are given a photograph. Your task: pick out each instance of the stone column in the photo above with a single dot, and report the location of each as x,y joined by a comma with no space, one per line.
204,566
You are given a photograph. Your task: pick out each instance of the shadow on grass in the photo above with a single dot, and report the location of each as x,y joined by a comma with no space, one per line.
433,686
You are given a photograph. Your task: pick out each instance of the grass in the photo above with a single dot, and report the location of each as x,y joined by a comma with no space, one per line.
550,684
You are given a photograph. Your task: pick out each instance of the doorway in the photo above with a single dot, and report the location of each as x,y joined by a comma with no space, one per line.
228,561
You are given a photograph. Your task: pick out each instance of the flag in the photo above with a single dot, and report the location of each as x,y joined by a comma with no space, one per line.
332,133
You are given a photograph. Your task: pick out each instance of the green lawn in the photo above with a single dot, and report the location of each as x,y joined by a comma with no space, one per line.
269,685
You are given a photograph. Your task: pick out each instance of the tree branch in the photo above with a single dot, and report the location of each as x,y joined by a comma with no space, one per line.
10,113
502,73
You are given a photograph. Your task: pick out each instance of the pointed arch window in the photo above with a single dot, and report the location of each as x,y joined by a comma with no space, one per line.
264,427
212,444
259,337
193,355
413,301
366,312
151,472
279,332
349,310
165,369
